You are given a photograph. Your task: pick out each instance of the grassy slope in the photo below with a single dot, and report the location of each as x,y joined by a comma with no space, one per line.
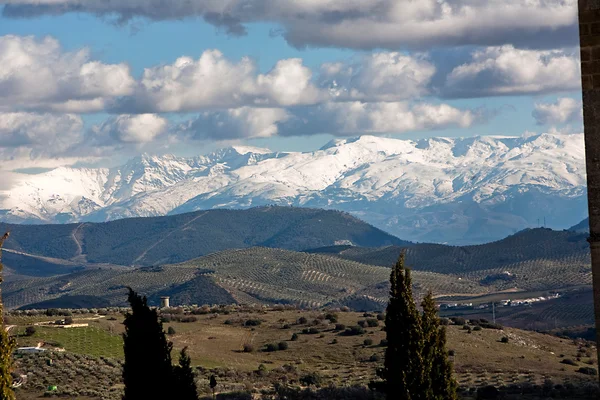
480,357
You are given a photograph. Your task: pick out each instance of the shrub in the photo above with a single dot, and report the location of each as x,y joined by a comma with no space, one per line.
286,326
504,339
477,328
171,331
380,317
334,341
252,322
588,370
271,347
282,345
362,323
189,318
262,370
68,321
301,321
374,358
294,337
248,348
372,322
333,318
466,327
30,331
458,320
368,342
354,331
312,378
383,343
340,327
310,331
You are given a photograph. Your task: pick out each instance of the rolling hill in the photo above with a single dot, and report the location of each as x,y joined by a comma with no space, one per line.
178,238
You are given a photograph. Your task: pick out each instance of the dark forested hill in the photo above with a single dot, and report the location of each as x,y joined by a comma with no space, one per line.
177,238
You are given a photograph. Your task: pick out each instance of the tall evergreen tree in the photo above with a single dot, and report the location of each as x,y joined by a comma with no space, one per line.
7,346
403,372
440,384
185,385
147,372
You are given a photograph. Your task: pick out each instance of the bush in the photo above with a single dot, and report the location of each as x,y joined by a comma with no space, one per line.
333,318
368,342
477,328
286,326
334,341
588,371
282,345
248,348
354,331
310,331
310,379
294,337
380,317
271,347
301,321
252,322
458,320
504,339
362,323
383,343
30,331
190,318
374,358
372,322
340,327
171,331
68,321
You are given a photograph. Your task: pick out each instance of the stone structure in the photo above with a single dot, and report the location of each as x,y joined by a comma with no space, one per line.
589,37
164,302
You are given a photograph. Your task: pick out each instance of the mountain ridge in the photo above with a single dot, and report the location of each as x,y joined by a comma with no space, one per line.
445,190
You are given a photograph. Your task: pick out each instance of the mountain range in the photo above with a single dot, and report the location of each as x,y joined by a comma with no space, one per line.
456,191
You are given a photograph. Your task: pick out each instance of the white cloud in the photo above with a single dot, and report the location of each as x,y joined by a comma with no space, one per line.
244,122
390,24
384,76
213,81
564,110
38,75
38,134
509,71
351,118
140,128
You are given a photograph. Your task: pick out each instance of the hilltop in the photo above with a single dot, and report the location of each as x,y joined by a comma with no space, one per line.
178,238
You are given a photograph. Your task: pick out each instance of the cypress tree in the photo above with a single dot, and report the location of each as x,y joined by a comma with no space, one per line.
403,372
147,372
444,385
185,386
7,346
440,383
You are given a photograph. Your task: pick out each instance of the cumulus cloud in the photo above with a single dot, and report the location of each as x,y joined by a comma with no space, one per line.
213,81
140,128
383,76
390,24
37,75
38,134
351,118
506,70
564,110
244,122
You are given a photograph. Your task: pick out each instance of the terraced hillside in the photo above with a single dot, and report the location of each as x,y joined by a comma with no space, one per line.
534,259
256,275
178,238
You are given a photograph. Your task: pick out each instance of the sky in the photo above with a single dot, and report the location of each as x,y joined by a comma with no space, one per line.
94,82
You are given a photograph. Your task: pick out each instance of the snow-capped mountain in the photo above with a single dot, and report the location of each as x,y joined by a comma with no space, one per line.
444,190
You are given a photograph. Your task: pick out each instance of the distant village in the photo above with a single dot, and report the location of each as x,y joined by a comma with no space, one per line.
501,303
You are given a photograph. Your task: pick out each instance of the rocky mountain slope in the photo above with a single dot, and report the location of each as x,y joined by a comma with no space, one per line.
458,191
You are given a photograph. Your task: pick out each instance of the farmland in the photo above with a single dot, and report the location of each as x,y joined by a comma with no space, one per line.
221,341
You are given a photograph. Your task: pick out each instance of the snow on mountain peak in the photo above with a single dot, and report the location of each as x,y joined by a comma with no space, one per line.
440,189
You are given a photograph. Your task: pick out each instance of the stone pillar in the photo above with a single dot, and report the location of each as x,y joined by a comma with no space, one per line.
164,302
589,37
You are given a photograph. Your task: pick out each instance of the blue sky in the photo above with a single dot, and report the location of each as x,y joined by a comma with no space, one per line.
389,82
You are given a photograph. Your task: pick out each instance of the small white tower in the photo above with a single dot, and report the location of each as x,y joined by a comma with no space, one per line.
164,302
